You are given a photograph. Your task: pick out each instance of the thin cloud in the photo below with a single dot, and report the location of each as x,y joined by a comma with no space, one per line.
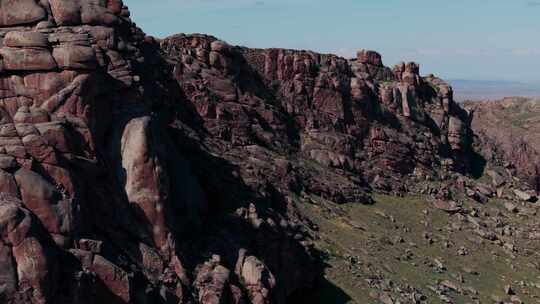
526,52
452,52
533,4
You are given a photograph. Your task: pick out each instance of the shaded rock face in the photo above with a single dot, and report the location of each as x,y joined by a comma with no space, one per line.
142,171
351,120
507,134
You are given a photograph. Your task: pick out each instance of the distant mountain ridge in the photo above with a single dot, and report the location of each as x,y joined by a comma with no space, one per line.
465,89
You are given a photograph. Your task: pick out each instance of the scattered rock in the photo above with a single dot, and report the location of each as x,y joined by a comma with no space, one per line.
508,290
511,207
524,196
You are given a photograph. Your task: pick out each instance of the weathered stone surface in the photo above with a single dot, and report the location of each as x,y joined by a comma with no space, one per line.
8,184
456,133
8,275
24,59
369,57
115,6
26,40
17,12
116,279
40,197
212,282
95,12
7,162
504,133
66,12
29,261
257,279
92,12
75,57
145,178
524,196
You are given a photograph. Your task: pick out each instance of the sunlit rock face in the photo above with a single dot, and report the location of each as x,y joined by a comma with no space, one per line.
98,205
137,170
85,190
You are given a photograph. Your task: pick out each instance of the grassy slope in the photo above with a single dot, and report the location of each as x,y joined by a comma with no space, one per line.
370,235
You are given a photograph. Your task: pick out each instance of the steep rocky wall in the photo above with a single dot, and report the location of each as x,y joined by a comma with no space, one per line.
354,117
69,79
98,204
507,132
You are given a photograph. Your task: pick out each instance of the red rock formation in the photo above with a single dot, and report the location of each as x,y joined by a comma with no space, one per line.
353,116
507,135
138,171
92,181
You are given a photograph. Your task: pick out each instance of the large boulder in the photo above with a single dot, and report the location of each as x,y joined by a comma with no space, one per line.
143,176
212,282
75,57
8,184
95,12
17,12
256,278
525,196
369,57
39,196
26,40
116,279
27,59
66,12
29,261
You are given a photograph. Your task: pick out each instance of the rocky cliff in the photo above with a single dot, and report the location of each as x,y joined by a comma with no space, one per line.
356,118
507,132
137,170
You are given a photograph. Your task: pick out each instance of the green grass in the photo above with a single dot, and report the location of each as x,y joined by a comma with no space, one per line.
365,232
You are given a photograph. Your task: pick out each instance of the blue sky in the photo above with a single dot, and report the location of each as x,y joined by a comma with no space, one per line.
471,39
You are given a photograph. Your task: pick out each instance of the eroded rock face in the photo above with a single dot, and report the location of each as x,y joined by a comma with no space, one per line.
98,203
354,117
30,261
141,171
20,12
508,135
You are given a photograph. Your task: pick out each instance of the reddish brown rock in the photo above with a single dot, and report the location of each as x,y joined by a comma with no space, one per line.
115,6
40,197
92,12
66,12
145,178
26,39
8,184
456,133
29,251
507,135
74,57
369,57
8,275
116,279
17,12
212,282
257,279
23,59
